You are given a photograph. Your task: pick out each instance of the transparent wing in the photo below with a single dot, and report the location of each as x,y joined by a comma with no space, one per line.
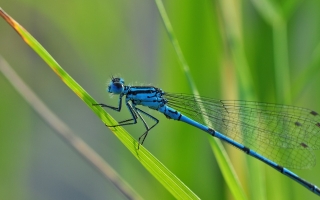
284,134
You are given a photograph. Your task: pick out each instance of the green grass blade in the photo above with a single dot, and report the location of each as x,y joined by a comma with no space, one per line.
178,189
308,74
64,131
232,24
218,150
273,16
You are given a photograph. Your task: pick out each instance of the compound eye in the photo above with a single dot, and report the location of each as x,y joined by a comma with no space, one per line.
115,80
116,88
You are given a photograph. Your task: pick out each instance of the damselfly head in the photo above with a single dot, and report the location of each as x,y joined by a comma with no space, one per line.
116,85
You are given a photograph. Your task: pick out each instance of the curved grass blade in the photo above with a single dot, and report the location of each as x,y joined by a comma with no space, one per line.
177,188
64,131
308,74
231,24
273,15
223,160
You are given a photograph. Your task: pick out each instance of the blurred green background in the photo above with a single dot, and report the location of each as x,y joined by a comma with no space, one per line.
253,50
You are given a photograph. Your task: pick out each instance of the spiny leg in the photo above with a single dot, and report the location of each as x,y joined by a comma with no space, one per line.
112,107
121,123
144,135
133,114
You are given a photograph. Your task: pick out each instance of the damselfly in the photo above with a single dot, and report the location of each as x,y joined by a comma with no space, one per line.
278,135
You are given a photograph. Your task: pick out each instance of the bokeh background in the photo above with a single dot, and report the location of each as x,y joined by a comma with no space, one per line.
254,50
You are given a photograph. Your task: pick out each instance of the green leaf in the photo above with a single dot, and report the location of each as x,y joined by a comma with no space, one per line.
222,158
178,189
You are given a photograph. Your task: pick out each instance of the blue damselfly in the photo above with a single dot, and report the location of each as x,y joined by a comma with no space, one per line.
278,135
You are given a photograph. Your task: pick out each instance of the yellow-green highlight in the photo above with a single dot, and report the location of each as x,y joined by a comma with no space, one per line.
177,188
218,149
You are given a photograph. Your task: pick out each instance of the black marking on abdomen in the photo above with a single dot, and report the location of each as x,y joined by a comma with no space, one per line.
211,131
246,150
279,168
298,124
